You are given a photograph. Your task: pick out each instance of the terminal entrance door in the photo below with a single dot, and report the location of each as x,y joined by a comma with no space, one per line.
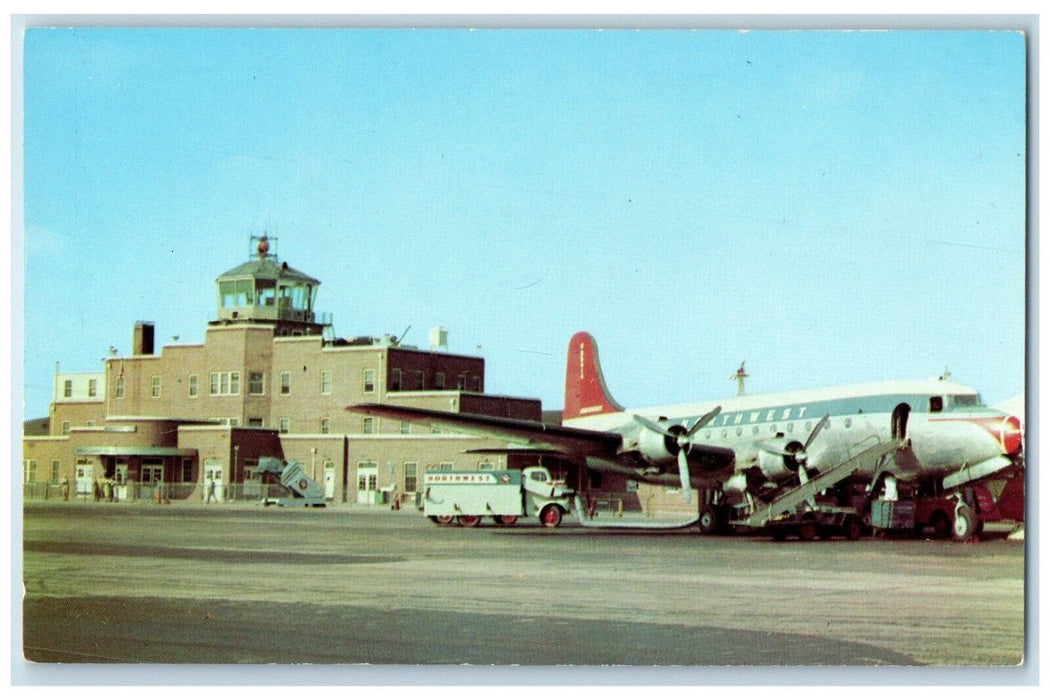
329,481
212,480
85,477
367,482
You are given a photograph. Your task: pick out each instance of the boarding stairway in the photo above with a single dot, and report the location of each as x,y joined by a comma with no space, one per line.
787,502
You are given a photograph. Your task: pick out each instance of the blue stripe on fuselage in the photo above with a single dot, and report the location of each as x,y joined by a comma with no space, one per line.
815,410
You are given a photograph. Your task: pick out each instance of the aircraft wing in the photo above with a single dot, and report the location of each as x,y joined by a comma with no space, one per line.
539,436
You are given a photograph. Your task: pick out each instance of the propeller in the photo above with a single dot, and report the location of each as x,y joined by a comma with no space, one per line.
800,456
684,440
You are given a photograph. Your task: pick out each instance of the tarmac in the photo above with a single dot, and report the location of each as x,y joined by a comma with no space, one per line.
361,591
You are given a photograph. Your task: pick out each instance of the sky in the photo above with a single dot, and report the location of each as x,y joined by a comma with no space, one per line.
830,207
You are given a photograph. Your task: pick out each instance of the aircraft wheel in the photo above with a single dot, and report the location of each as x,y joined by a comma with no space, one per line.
807,531
550,516
964,524
468,520
442,519
708,521
942,524
851,529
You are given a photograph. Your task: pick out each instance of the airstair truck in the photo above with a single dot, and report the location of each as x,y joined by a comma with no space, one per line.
465,497
301,490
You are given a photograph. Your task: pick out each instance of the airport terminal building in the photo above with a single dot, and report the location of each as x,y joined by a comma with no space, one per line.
270,379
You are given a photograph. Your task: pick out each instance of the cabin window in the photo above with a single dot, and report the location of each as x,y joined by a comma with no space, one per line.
936,404
848,422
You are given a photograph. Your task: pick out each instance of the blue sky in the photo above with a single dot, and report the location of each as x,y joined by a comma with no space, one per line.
831,207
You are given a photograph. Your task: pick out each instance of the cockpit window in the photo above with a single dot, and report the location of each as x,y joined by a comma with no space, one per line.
965,400
936,404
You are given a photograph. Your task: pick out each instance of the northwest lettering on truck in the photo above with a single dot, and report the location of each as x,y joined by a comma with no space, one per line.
465,497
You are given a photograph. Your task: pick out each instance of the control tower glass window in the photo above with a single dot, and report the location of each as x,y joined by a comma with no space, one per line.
236,293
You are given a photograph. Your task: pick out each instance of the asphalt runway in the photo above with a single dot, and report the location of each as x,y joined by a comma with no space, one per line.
242,584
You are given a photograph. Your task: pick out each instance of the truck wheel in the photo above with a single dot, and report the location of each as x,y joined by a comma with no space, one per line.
708,521
506,519
963,526
442,519
851,529
468,520
807,531
942,524
550,516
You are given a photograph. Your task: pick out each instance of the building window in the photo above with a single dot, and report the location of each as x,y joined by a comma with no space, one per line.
370,381
285,425
56,471
65,427
326,426
420,379
411,469
29,470
461,382
368,425
193,386
286,383
439,380
477,384
225,383
92,387
255,422
67,388
187,471
395,380
119,389
256,383
326,381
486,465
155,393
445,467
406,427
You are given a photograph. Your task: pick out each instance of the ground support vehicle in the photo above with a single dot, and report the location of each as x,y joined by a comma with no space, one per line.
960,515
465,497
804,510
301,489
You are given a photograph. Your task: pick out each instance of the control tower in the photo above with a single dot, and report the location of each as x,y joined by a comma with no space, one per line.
265,290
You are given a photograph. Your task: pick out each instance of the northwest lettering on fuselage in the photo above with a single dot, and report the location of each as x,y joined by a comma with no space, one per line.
762,416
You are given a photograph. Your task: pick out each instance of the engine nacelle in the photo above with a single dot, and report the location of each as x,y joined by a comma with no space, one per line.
656,448
777,467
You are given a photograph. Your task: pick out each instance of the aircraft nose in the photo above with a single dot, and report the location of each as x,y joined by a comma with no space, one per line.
1011,436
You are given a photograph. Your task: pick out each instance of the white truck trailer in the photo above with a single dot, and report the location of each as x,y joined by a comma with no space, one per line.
505,495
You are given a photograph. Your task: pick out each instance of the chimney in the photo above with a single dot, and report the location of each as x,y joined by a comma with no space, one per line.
142,340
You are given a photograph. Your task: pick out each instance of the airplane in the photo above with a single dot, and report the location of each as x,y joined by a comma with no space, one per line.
749,451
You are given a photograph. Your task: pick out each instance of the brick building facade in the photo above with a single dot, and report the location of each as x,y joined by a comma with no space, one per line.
268,380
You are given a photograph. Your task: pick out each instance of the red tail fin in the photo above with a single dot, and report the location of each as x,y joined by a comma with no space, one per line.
585,391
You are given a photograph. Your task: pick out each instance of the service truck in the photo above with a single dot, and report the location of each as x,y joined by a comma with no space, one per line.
465,497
